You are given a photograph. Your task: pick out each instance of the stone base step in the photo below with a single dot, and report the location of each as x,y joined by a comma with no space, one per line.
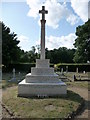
42,63
42,71
41,78
41,89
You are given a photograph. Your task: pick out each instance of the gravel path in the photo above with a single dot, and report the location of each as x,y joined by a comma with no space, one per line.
83,93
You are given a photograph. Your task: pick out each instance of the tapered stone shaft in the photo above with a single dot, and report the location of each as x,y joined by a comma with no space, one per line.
43,21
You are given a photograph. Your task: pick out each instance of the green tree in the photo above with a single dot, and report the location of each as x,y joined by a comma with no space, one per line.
82,43
61,55
10,50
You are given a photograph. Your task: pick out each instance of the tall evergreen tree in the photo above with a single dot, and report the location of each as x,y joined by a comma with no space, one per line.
10,50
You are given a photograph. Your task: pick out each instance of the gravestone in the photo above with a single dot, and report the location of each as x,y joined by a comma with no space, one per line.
42,81
62,71
66,69
19,76
13,79
77,69
13,73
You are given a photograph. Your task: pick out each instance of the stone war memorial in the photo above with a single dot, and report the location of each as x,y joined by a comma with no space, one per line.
42,81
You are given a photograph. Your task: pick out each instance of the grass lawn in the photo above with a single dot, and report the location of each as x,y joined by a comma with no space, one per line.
70,75
78,84
40,108
8,76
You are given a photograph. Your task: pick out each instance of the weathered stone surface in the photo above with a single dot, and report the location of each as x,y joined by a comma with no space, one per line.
42,71
42,81
41,78
42,63
41,89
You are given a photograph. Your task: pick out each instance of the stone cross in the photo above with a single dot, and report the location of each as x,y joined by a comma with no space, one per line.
43,21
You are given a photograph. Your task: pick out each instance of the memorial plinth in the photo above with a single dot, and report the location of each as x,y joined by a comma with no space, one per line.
42,81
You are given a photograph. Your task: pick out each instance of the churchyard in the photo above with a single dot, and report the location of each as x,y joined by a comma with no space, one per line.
46,92
60,107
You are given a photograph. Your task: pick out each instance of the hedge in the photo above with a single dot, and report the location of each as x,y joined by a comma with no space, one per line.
27,67
20,67
72,67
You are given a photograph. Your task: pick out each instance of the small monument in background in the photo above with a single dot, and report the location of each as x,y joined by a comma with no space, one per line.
77,69
42,81
13,79
66,69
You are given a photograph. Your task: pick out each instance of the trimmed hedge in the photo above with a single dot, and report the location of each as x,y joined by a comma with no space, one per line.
20,67
72,67
27,67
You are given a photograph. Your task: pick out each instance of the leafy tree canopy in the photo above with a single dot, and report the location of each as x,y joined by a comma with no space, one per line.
82,43
61,55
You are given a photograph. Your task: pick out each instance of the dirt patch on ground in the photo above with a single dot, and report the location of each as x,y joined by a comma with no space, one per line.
49,108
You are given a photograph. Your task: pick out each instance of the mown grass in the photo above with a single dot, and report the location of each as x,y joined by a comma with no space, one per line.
70,75
78,84
6,84
40,108
8,76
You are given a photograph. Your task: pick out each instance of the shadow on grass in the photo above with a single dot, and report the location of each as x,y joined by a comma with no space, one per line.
72,96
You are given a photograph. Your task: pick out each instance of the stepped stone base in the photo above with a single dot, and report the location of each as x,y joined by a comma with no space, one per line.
41,89
42,81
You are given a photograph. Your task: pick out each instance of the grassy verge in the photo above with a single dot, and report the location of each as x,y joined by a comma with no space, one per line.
6,84
8,76
78,84
40,108
70,75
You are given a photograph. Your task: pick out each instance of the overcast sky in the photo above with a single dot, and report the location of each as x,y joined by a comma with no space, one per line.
61,21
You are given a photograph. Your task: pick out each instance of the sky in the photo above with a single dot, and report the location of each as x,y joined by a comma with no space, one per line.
23,18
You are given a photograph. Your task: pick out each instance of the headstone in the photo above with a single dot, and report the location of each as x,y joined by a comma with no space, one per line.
62,71
19,76
42,81
77,70
66,69
13,73
13,76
